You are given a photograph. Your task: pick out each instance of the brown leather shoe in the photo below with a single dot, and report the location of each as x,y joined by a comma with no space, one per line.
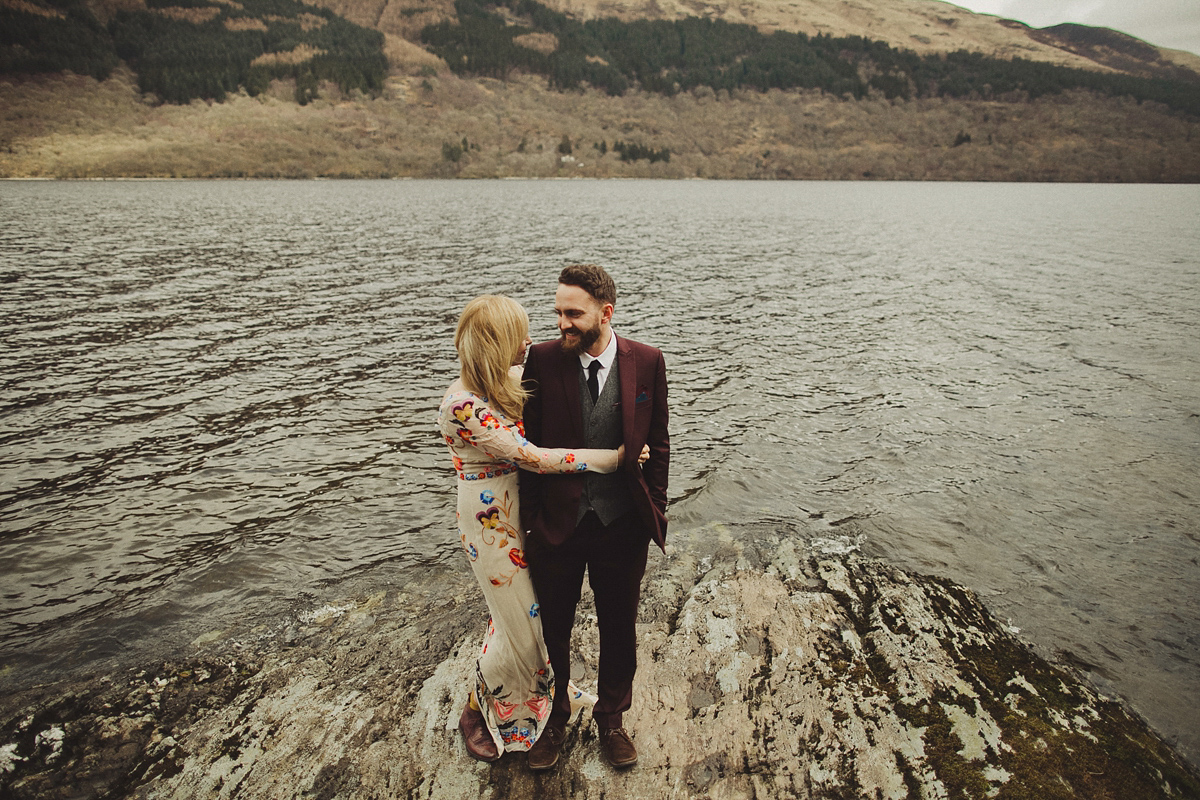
475,735
617,748
544,753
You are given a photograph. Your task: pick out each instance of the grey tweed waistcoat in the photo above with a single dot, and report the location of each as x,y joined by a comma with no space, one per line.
607,495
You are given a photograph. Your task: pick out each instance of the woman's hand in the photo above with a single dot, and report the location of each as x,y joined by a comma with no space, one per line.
643,456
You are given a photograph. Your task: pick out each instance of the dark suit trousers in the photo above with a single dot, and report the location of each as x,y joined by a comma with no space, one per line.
615,559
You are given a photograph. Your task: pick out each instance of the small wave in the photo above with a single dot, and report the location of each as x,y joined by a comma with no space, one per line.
325,613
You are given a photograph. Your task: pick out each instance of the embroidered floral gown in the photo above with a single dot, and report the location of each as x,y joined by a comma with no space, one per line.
513,679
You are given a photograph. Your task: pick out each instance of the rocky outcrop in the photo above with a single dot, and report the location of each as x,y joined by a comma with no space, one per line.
770,666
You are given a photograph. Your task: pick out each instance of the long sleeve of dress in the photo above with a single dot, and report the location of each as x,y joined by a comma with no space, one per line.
476,425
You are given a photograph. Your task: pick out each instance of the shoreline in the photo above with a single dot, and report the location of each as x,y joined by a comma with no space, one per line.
766,669
581,178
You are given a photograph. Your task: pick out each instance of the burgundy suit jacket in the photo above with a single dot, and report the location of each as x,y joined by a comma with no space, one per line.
554,418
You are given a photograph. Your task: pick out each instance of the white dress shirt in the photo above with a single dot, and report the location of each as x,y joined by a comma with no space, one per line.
606,360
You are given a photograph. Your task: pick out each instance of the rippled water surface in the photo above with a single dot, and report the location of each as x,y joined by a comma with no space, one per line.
218,396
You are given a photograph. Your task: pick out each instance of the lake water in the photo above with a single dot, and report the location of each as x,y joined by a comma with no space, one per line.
218,397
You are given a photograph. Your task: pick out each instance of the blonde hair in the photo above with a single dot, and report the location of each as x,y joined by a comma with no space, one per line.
490,333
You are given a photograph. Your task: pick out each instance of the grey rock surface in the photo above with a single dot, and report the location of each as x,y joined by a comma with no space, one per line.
769,666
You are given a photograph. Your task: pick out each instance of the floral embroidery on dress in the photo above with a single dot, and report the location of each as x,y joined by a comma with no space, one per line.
514,734
504,711
463,411
540,706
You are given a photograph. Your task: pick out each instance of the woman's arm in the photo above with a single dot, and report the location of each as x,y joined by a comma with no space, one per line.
479,426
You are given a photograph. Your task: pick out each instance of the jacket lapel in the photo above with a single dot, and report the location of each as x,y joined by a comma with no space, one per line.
568,370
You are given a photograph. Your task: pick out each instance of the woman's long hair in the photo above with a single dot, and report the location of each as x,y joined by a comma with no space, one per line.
490,333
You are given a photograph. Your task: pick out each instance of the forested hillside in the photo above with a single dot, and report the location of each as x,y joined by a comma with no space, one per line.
187,49
681,55
63,35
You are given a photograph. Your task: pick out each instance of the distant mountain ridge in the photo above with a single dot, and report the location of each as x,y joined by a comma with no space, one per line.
1120,51
923,26
500,38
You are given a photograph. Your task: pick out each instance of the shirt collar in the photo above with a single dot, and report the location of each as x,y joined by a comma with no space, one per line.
605,358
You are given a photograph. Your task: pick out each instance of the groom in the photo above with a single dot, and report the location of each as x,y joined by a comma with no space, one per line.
593,389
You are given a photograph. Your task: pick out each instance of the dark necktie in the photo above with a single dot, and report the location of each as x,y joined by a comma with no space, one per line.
594,380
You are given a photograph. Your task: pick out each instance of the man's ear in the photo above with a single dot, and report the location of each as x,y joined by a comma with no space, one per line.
606,312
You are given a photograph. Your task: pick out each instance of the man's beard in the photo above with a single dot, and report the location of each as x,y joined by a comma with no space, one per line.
585,340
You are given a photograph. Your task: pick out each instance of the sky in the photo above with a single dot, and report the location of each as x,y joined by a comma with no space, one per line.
1166,23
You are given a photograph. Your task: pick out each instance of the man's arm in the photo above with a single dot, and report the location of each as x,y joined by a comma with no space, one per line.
657,468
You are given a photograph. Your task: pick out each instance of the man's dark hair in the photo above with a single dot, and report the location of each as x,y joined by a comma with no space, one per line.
592,279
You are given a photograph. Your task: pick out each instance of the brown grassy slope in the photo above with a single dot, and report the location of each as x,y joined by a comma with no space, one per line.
71,127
